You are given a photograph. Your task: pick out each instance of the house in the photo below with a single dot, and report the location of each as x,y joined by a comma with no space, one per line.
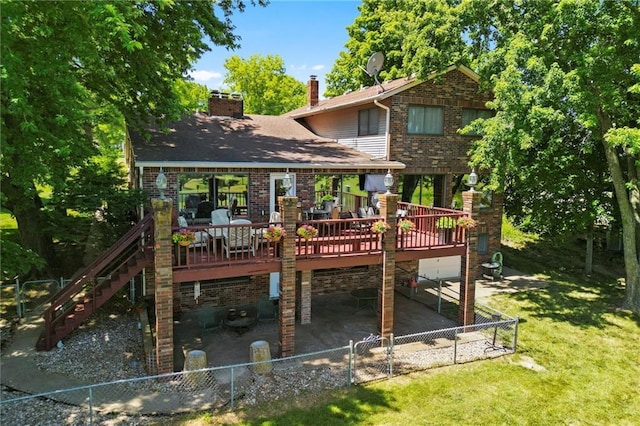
244,163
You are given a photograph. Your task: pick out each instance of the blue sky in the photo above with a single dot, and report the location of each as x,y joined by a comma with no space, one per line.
307,34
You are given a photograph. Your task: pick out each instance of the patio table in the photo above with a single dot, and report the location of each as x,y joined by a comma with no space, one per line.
240,325
366,296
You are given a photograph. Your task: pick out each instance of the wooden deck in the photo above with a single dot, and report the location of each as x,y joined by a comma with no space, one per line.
340,243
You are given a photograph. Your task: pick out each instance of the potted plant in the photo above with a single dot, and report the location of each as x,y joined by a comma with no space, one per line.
445,222
405,225
184,237
445,225
466,222
380,227
307,232
274,233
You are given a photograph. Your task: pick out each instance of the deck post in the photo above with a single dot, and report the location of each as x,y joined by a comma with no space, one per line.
287,304
163,280
470,260
388,207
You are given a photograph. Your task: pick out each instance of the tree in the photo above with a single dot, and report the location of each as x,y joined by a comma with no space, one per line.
63,62
568,63
411,34
565,76
264,84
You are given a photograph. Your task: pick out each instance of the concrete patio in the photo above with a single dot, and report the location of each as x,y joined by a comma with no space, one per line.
335,319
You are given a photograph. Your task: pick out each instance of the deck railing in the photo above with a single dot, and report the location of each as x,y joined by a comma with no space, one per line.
336,237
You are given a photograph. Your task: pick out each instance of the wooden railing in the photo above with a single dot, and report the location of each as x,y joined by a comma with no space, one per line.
336,237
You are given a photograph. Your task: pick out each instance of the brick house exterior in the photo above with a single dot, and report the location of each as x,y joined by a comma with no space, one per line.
321,137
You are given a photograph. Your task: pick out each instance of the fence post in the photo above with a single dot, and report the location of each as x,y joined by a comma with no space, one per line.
351,360
233,388
390,353
18,302
455,346
515,334
91,406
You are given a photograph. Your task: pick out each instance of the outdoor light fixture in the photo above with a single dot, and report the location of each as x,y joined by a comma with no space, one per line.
287,182
473,179
388,181
161,183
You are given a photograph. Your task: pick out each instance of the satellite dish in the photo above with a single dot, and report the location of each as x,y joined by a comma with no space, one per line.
374,64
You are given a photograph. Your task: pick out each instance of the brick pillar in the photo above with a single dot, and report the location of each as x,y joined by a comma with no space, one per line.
287,305
470,261
305,297
163,274
388,207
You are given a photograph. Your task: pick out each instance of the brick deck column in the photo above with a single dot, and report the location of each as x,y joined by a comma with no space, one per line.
305,297
388,207
470,261
287,305
163,248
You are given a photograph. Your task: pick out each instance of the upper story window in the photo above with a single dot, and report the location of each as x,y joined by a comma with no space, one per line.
470,114
425,120
368,121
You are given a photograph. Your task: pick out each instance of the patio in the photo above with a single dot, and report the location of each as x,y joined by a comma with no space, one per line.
335,319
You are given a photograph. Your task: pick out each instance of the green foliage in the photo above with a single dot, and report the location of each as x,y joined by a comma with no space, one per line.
446,222
17,260
192,96
72,73
415,37
264,84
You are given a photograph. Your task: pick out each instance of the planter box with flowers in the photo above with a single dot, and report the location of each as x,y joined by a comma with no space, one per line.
274,233
184,237
405,225
380,227
307,232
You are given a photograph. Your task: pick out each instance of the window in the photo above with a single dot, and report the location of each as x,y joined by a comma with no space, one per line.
201,193
368,121
469,115
483,243
425,120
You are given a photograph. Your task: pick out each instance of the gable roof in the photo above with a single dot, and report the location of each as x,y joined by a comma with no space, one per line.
253,141
367,95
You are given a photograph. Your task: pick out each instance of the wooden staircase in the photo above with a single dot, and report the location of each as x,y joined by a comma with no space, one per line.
97,283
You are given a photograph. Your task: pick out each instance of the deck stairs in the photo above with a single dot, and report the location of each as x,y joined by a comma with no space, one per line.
93,286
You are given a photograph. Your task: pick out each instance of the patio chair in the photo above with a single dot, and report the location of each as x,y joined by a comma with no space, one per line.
238,240
211,318
266,311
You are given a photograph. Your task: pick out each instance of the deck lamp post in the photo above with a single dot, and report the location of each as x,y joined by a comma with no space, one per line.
473,179
287,182
388,181
161,183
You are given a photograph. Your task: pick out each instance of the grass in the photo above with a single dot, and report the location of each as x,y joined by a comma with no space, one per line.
576,364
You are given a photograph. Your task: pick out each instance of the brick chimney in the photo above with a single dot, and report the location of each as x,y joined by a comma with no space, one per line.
312,91
226,104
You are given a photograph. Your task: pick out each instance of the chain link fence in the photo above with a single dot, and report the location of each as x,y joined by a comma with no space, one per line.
235,386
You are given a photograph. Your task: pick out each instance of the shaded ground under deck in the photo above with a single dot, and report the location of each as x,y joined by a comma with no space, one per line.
335,319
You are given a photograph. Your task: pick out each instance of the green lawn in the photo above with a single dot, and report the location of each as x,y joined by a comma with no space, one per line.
578,363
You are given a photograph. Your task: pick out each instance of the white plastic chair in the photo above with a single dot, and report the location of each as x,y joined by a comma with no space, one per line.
238,239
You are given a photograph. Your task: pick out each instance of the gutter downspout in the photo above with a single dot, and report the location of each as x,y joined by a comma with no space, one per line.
144,270
386,130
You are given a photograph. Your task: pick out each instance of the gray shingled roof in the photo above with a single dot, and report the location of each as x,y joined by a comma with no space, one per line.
368,94
254,140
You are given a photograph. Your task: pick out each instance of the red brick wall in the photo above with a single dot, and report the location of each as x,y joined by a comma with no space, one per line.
225,293
226,105
435,154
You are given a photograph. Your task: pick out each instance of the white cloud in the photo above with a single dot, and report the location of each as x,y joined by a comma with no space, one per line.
317,67
203,76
